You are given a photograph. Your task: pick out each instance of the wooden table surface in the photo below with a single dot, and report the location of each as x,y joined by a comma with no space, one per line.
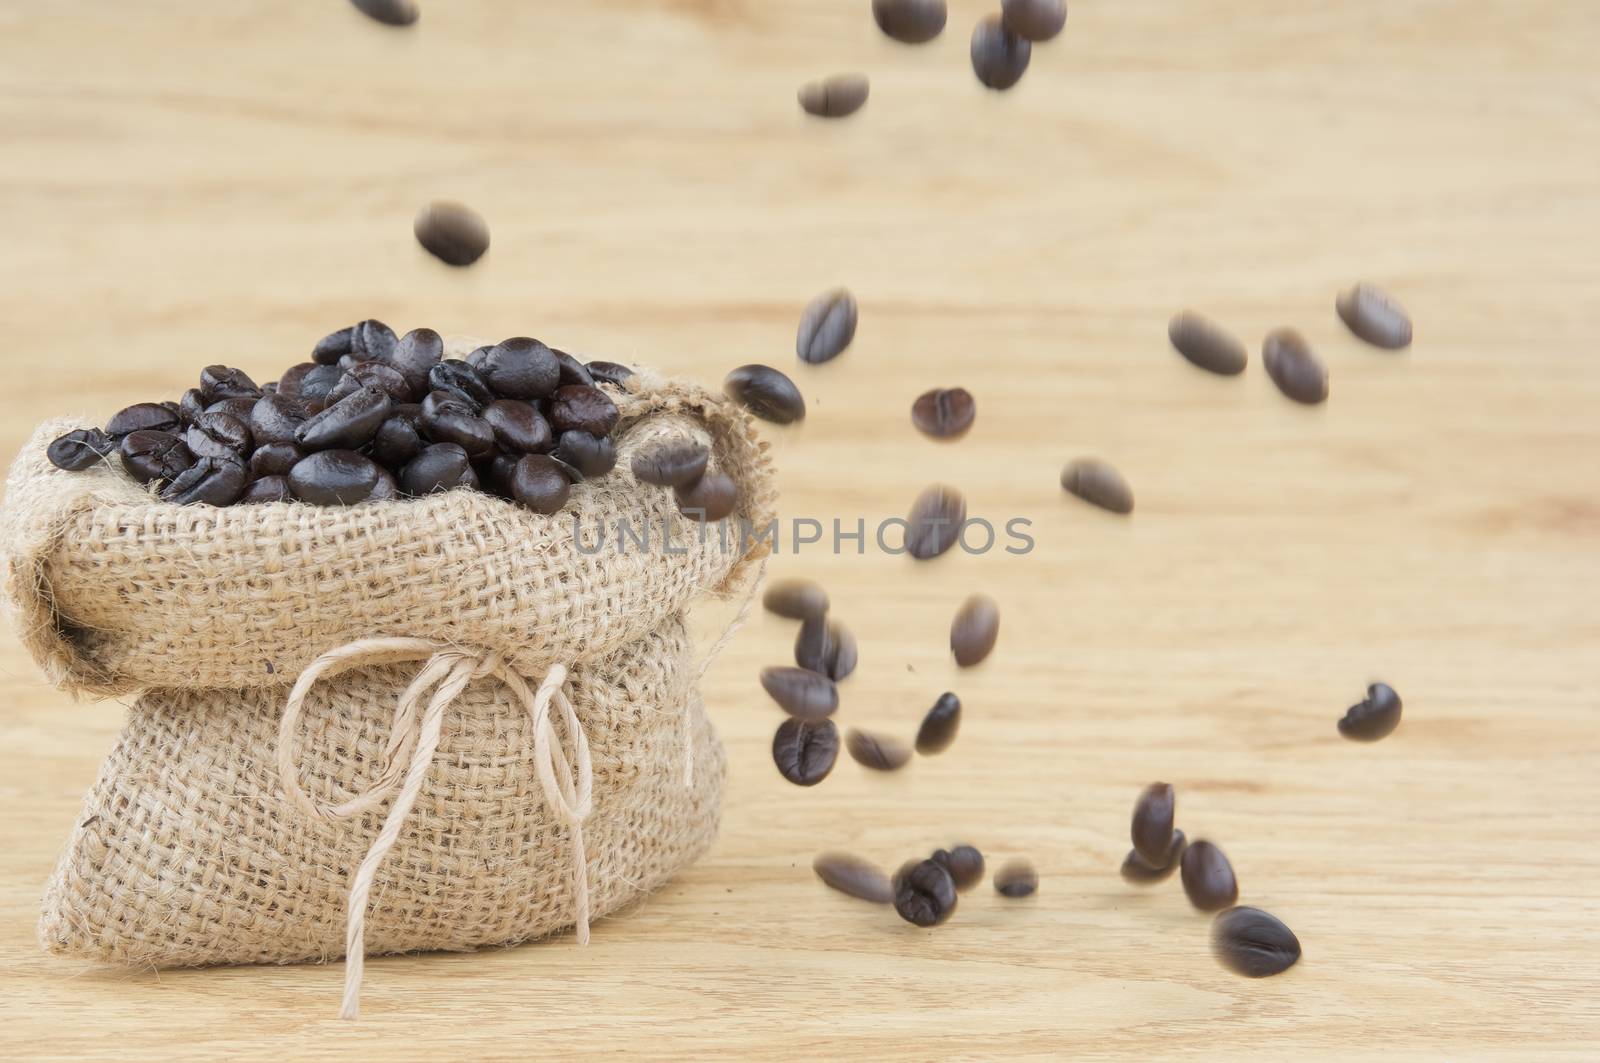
187,183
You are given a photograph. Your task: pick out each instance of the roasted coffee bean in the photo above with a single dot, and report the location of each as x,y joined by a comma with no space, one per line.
476,356
366,340
910,21
465,382
190,406
332,347
446,418
453,233
388,12
572,472
609,373
1016,879
316,384
710,498
854,877
964,863
440,467
765,392
975,630
537,483
590,455
218,382
1034,20
274,459
999,56
518,426
1206,344
581,408
925,894
1208,877
218,435
154,456
289,382
1152,822
796,599
79,449
142,417
208,482
940,725
944,413
572,370
276,418
1253,943
521,368
347,424
1098,484
935,522
269,388
834,97
1372,719
334,478
387,489
1375,316
1140,873
239,409
875,751
1292,366
267,489
380,375
414,356
494,475
671,463
800,692
825,647
805,750
827,326
398,439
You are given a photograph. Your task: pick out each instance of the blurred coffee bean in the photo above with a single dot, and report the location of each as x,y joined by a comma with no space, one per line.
1097,483
218,382
1373,718
217,435
834,97
380,375
333,478
609,373
239,409
1016,879
827,326
209,482
80,448
537,483
935,522
518,426
1292,366
464,382
445,418
441,467
710,498
876,751
999,56
975,630
590,455
142,417
765,392
413,357
453,233
796,599
940,725
825,647
925,894
267,489
154,456
1208,877
388,12
671,463
521,368
853,877
276,418
347,424
910,21
964,863
581,408
1140,873
1152,822
398,439
944,413
800,692
1253,943
572,370
274,459
1375,316
191,405
805,750
1034,20
1206,344
387,489
494,474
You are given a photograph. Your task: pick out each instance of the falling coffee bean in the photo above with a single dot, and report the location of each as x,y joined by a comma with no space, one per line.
209,481
217,435
609,373
827,326
710,498
1206,344
1152,822
1140,873
80,448
796,599
935,522
1016,879
999,56
875,751
440,467
537,483
154,456
805,750
1035,20
825,647
910,21
944,413
925,894
854,877
1208,877
453,233
388,12
1375,316
1253,943
1098,484
964,863
267,489
834,97
518,426
940,725
801,693
1373,718
347,424
975,630
589,455
671,463
765,392
1292,366
274,459
334,478
143,417
582,408
518,368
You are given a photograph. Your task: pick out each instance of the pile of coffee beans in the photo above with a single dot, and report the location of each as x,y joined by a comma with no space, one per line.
374,417
925,890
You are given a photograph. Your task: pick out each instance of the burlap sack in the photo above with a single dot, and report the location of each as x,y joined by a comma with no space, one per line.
495,734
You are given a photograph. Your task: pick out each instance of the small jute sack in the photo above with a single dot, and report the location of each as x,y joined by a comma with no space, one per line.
439,723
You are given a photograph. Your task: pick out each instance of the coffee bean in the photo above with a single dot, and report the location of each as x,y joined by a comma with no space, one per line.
190,406
1208,877
827,327
79,449
964,863
218,382
581,408
609,373
796,599
267,489
975,630
1293,367
1253,943
446,418
1206,344
380,375
1034,20
494,474
386,489
239,409
347,424
413,357
1140,873
944,413
910,21
671,463
925,894
370,341
217,435
590,455
209,482
853,877
537,483
1375,316
276,418
453,233
334,478
518,426
800,692
826,648
710,498
1373,718
1016,879
767,393
940,725
999,56
142,417
316,385
521,368
440,467
274,459
572,371
1098,484
834,97
388,12
154,456
935,522
398,439
805,750
465,383
878,752
1152,822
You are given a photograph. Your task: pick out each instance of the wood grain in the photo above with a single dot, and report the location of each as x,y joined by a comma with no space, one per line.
186,183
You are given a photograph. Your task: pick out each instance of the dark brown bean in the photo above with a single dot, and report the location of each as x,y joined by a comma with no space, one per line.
876,751
380,375
347,424
975,630
940,725
218,382
767,393
924,894
453,233
589,455
1016,879
537,483
581,408
520,368
910,21
441,467
671,463
191,405
1140,873
825,647
710,498
964,863
1098,484
827,326
80,448
800,692
274,459
1289,361
209,482
944,413
518,426
934,525
334,478
1373,718
154,456
1375,316
398,439
1208,878
276,418
796,599
1253,943
465,383
834,97
267,489
143,417
239,409
413,356
572,370
217,435
1035,20
999,56
1206,344
316,384
854,877
446,418
1152,822
609,373
388,12
805,751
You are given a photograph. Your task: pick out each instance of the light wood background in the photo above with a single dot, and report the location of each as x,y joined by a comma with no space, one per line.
186,183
